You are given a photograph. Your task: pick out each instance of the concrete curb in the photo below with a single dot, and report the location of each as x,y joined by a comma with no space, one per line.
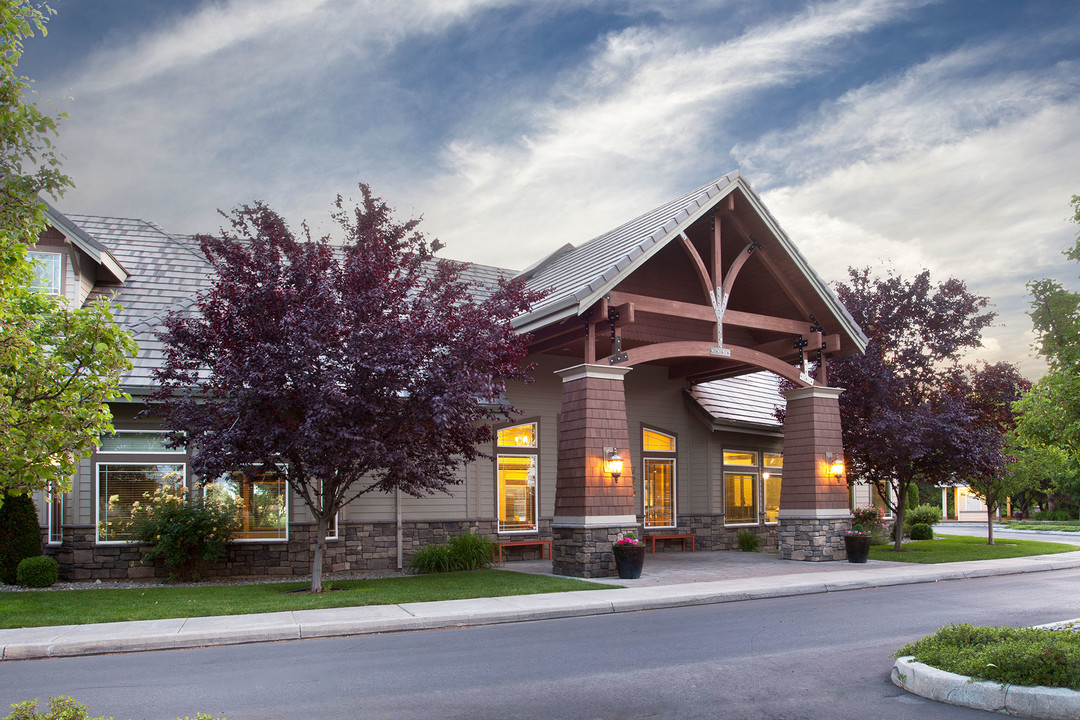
1041,703
141,635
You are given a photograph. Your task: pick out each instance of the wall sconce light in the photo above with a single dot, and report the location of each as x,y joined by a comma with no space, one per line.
613,463
834,462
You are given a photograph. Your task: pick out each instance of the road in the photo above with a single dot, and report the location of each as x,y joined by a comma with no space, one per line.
815,656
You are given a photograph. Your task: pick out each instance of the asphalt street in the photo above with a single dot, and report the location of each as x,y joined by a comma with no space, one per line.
814,656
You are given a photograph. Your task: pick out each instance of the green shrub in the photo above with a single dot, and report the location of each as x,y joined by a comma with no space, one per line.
924,514
37,572
64,708
922,531
1024,656
470,551
184,535
432,559
748,541
20,535
912,496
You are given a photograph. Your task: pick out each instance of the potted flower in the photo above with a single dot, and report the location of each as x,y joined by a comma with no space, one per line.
629,556
857,544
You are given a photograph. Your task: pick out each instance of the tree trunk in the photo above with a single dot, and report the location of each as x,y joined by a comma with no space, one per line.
989,524
317,557
898,519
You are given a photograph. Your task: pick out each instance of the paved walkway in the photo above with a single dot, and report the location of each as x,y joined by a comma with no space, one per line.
669,579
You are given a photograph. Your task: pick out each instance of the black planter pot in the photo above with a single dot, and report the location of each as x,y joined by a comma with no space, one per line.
858,548
628,560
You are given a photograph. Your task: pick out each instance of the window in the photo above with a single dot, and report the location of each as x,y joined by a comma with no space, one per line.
136,441
740,488
774,472
658,464
261,499
516,467
122,486
55,502
878,501
46,272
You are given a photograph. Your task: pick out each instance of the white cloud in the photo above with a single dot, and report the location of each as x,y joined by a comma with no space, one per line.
967,176
640,109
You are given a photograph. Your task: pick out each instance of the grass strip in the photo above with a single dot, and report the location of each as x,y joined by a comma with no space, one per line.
1019,656
1053,526
157,602
955,548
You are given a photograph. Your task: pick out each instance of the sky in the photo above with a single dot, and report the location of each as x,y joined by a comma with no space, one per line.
894,134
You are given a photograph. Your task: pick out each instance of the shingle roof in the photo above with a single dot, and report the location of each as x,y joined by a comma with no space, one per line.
576,274
744,401
166,272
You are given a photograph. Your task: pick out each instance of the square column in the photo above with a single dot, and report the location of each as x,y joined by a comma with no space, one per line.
592,510
814,512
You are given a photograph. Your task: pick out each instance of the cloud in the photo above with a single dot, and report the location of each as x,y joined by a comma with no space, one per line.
642,108
950,166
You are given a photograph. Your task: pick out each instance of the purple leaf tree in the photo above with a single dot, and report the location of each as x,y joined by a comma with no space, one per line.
366,367
904,415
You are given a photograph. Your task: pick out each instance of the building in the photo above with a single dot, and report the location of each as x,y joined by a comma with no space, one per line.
661,342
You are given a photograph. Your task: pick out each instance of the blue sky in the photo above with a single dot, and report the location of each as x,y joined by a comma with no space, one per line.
899,134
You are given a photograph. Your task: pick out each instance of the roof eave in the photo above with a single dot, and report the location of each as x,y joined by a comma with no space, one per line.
78,237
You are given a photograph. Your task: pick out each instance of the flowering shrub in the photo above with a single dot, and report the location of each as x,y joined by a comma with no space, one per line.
183,534
628,540
867,520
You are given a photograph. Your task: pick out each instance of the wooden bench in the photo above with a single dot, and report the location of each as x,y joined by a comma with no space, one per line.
684,538
522,543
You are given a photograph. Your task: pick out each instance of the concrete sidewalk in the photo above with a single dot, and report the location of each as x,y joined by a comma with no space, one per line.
670,579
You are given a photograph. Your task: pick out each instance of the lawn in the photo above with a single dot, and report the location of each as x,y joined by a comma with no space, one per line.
1055,526
956,549
155,602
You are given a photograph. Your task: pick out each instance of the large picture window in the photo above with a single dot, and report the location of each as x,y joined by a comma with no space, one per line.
261,499
122,485
740,487
658,491
516,467
774,472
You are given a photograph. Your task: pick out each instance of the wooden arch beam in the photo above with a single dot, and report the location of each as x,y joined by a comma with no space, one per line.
691,349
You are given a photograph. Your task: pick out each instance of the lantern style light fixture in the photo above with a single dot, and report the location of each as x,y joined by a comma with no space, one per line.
613,463
835,464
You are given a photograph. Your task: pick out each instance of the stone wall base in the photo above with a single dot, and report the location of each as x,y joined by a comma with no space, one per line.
585,552
813,539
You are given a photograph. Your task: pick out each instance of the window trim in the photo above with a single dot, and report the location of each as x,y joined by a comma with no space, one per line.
770,470
38,256
50,498
166,451
524,451
287,510
663,456
753,469
97,497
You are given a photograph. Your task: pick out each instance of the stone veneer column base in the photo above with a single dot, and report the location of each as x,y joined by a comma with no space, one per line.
585,551
813,539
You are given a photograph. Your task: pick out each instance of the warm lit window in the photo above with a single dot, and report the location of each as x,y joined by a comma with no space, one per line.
516,466
261,499
740,487
46,272
122,487
658,467
774,469
878,501
737,457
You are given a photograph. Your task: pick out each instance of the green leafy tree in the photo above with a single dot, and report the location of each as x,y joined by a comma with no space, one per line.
1051,410
58,364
